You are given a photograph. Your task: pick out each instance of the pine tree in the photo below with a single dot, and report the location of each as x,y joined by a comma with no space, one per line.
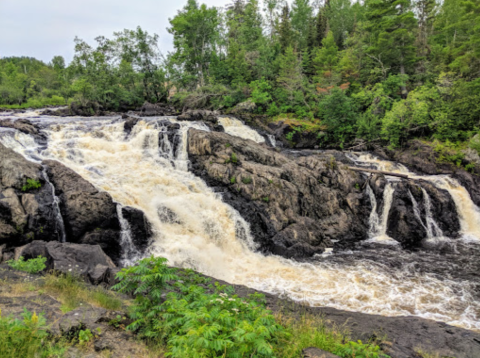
392,26
301,15
285,32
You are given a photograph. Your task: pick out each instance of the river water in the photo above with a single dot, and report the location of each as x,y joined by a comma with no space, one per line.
203,233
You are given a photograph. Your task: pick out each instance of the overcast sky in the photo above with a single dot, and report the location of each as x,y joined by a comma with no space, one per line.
46,28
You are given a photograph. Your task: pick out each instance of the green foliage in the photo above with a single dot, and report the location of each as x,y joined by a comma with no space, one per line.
266,199
219,324
26,338
233,180
147,281
30,266
246,180
31,184
84,336
360,350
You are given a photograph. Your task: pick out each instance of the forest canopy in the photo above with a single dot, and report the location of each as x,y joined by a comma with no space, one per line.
377,69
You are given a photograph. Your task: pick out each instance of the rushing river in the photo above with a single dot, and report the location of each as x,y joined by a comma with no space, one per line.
211,237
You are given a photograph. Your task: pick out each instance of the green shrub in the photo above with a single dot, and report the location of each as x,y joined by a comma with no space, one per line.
24,338
30,266
247,180
196,323
360,350
147,281
31,184
233,180
219,325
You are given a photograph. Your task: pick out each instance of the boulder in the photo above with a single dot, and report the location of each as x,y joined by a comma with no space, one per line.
247,106
407,220
129,123
423,159
169,138
317,353
199,115
90,215
140,228
26,212
295,206
88,261
156,110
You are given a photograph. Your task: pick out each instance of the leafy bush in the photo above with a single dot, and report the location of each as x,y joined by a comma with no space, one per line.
197,323
147,281
30,266
24,338
360,350
247,180
31,184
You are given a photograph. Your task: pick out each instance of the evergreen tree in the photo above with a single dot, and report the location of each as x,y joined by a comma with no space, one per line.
285,32
301,15
392,26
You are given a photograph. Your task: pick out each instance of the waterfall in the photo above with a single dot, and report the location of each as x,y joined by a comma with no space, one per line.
433,230
194,228
59,224
235,127
272,140
378,226
130,254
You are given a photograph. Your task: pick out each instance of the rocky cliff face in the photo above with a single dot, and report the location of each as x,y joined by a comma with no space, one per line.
90,215
26,210
422,158
295,207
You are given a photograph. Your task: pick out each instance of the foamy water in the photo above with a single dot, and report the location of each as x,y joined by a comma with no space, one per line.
202,232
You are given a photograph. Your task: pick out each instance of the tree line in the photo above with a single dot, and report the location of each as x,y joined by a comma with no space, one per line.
377,69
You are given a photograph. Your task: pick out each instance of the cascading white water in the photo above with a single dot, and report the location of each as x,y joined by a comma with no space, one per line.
236,128
469,213
59,224
378,225
194,228
272,140
130,254
433,230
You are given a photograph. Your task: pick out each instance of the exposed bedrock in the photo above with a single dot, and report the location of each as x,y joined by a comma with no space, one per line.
422,158
26,201
140,227
416,207
295,206
90,215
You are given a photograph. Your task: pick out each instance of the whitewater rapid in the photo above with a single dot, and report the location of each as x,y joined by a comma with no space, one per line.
194,228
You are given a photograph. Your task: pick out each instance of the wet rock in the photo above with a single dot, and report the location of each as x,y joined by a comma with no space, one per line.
317,353
156,110
169,138
298,140
26,212
90,215
422,158
295,206
129,123
407,220
140,227
199,115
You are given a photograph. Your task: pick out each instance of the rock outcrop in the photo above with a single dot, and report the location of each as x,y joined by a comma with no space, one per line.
88,261
422,158
140,227
90,215
26,201
295,207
